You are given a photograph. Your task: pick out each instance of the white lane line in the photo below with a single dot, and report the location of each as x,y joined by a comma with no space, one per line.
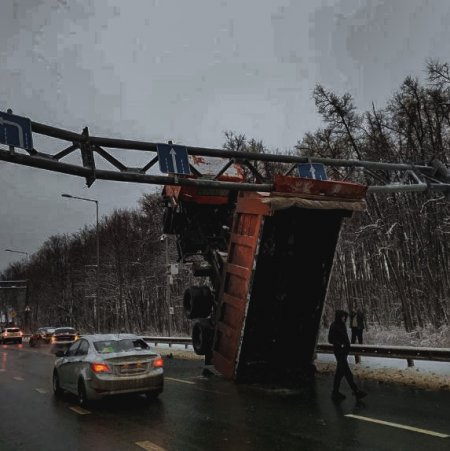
79,410
192,383
399,426
149,446
179,380
42,391
18,378
2,370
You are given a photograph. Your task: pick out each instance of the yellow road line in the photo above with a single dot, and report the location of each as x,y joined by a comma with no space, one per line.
18,378
42,391
179,380
149,446
399,426
80,410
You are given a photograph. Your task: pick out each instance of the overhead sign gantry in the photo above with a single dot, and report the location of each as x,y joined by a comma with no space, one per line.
175,161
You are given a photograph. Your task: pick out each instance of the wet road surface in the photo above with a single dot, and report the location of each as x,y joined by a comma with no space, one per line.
196,413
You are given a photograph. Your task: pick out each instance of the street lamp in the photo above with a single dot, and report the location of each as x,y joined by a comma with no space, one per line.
17,252
98,246
164,238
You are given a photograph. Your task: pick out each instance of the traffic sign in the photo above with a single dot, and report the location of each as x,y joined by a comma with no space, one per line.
173,159
15,131
312,171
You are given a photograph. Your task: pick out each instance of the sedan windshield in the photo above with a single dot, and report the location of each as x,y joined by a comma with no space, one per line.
125,345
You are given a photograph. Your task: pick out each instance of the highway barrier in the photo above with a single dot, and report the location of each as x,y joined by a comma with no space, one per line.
407,353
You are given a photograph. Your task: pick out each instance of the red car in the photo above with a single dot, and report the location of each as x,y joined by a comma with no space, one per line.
42,335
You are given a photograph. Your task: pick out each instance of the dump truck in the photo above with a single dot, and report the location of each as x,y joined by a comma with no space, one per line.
266,246
268,258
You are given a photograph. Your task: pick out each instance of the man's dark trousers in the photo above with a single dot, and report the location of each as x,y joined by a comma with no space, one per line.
343,370
357,333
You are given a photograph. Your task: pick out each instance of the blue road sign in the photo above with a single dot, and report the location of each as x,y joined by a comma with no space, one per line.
173,159
16,131
312,171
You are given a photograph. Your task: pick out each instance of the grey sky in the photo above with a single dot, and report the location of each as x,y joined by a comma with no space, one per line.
187,71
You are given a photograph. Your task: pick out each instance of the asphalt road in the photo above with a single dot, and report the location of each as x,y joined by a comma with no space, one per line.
196,413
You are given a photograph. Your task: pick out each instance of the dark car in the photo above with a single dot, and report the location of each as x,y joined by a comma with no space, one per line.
42,335
63,337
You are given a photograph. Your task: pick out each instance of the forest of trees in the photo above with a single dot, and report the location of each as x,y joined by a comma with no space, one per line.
393,259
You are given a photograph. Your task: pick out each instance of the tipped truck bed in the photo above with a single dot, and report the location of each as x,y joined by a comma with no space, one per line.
280,256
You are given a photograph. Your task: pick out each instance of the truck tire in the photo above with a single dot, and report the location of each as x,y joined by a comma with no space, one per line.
202,336
197,302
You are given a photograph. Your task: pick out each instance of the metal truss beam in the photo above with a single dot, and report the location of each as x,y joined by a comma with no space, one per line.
395,177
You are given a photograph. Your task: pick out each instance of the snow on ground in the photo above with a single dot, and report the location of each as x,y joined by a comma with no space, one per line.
424,374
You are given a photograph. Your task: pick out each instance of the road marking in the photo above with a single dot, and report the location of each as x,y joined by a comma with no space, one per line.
399,426
42,391
210,391
2,370
80,410
192,383
179,380
18,378
149,446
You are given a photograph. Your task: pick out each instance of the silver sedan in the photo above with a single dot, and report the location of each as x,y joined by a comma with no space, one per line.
99,365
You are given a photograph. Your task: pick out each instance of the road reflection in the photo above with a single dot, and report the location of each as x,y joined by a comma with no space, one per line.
4,359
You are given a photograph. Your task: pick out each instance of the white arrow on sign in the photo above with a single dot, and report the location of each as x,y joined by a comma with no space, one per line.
19,130
174,160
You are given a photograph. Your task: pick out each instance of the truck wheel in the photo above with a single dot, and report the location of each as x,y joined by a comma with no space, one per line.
202,336
197,302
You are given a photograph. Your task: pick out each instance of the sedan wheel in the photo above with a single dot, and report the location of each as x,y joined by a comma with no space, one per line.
82,396
57,390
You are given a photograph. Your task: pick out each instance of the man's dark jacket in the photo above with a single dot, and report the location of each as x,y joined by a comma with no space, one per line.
337,335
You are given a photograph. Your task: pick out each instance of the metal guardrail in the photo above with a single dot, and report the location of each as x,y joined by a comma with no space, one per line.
407,353
186,341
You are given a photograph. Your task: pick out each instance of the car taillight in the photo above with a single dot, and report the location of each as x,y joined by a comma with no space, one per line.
21,334
100,368
5,334
158,363
53,339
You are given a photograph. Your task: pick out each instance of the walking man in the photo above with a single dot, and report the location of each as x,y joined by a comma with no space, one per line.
338,337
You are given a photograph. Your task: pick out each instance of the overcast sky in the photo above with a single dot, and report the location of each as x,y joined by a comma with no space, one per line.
187,71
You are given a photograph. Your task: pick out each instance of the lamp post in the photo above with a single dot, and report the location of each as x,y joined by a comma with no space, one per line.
17,252
69,196
168,282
